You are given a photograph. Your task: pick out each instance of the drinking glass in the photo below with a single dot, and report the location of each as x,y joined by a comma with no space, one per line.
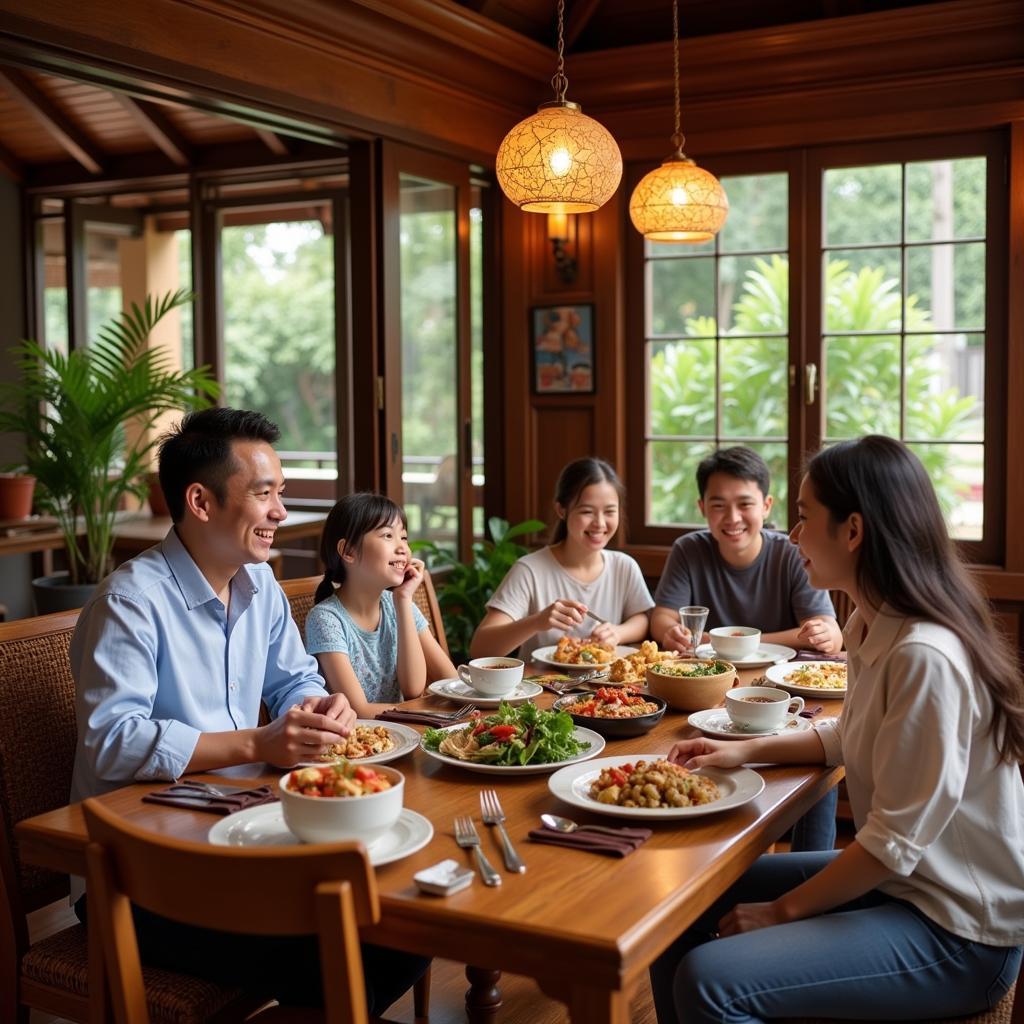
693,617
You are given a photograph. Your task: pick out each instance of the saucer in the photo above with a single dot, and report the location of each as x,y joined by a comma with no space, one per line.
264,826
716,723
456,689
766,654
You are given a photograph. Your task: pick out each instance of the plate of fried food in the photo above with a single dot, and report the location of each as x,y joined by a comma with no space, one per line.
370,743
810,678
573,652
648,786
631,669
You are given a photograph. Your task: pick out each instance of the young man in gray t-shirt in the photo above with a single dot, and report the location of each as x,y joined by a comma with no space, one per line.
744,575
747,577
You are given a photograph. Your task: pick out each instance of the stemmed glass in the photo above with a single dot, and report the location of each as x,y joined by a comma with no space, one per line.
693,617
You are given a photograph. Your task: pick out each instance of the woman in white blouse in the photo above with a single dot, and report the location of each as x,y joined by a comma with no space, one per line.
922,915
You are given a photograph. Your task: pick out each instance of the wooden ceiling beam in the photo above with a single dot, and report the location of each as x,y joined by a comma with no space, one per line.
57,123
159,127
10,166
273,142
581,13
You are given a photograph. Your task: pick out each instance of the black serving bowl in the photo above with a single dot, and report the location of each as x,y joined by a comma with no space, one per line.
615,728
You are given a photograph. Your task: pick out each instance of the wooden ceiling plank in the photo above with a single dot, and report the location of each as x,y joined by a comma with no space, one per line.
10,165
580,14
155,123
62,128
273,142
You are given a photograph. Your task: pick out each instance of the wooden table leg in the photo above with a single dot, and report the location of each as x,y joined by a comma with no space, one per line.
598,1006
483,997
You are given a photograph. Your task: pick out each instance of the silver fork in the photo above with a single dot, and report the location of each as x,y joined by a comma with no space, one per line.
466,836
205,787
492,814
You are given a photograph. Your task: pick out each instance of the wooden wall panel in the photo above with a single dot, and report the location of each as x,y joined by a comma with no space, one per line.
561,433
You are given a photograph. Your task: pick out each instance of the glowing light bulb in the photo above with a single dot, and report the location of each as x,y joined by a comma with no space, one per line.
560,161
678,197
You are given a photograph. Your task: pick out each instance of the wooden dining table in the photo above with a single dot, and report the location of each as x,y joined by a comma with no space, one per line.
586,927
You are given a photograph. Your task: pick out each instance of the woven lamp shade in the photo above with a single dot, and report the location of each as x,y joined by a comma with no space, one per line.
559,161
678,202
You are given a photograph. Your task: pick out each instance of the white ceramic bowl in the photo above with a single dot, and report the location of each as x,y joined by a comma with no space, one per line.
336,819
735,641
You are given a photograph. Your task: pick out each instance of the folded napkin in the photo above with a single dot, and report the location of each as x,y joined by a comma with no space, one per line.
818,656
812,712
415,718
622,843
182,795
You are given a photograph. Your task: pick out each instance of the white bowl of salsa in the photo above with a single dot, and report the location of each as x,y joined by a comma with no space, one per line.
342,801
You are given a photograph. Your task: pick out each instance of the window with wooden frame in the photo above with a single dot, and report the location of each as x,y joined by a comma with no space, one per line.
854,289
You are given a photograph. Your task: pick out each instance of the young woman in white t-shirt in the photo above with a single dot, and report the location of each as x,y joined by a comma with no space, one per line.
547,594
921,916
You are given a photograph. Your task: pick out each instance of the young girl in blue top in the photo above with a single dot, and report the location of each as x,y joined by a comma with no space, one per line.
372,643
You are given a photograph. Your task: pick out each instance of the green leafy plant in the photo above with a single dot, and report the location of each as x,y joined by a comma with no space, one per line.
465,588
87,420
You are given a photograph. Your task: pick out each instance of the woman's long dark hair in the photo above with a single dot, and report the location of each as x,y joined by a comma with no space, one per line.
572,481
908,561
351,520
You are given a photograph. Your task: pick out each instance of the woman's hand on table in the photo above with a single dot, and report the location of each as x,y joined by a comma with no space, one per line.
701,753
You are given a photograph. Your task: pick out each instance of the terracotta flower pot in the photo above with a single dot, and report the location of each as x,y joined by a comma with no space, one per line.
16,490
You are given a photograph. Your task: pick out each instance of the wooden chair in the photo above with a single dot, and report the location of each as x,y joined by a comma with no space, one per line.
37,749
300,596
843,606
327,889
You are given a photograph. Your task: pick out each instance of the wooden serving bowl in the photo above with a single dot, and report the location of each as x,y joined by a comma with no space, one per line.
691,693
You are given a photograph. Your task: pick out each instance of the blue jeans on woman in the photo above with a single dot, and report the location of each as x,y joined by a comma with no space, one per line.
875,958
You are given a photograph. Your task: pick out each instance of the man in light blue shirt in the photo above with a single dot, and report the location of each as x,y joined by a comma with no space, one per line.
171,658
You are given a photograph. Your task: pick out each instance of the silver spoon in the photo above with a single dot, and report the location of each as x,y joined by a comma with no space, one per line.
559,824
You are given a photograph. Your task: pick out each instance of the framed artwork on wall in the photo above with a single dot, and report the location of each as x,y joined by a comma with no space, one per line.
562,340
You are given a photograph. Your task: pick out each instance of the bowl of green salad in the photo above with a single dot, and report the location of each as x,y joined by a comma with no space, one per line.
691,684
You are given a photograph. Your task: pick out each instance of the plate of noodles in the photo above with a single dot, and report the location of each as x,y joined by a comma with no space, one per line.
371,743
607,785
810,678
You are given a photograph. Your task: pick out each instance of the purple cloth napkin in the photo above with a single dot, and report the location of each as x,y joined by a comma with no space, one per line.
621,844
818,656
812,712
415,718
181,795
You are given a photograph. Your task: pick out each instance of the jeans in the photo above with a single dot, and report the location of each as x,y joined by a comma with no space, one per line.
285,967
816,830
875,958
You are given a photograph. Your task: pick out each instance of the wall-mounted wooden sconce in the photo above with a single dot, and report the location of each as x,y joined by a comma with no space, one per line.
559,226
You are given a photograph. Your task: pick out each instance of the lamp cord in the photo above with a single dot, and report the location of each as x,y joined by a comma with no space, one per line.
677,136
560,83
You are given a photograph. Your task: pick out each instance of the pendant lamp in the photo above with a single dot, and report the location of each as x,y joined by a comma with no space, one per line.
559,160
678,201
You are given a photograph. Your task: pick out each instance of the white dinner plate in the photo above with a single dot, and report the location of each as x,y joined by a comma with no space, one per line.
264,826
777,674
406,741
544,656
456,689
572,784
716,723
766,654
595,740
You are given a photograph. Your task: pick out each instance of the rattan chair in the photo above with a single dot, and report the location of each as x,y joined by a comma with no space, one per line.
300,596
37,749
325,889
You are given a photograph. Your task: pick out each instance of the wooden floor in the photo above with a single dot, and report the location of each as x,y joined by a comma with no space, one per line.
523,1002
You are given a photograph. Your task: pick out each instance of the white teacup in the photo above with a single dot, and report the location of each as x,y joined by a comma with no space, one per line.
760,708
493,677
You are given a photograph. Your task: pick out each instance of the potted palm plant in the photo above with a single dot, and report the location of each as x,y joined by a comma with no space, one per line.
87,421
